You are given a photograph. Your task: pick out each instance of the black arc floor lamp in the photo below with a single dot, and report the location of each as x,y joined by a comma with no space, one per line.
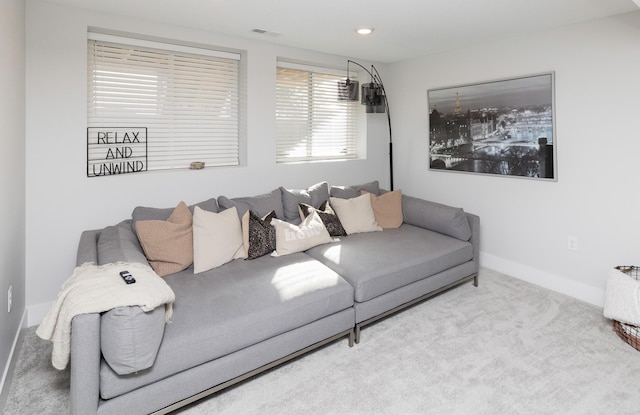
374,96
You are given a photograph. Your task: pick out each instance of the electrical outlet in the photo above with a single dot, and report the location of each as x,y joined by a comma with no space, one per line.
572,243
9,298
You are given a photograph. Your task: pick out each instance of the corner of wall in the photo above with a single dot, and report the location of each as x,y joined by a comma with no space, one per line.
10,365
558,283
36,313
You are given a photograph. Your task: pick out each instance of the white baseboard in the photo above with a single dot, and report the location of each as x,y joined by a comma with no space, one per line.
37,312
11,361
554,282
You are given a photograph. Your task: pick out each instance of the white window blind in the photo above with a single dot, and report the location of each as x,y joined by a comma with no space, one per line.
312,123
187,98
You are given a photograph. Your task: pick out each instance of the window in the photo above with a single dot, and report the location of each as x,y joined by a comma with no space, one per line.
312,123
186,97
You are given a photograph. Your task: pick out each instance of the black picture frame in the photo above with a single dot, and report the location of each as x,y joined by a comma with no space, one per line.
504,127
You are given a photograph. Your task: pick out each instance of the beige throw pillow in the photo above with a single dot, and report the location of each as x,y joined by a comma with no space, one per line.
292,238
356,214
217,239
168,245
387,208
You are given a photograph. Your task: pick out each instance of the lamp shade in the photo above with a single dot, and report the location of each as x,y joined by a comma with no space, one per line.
348,90
373,97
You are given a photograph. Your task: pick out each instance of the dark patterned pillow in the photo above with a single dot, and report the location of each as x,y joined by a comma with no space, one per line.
258,235
328,216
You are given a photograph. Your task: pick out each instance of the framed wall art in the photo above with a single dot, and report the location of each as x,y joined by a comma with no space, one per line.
504,127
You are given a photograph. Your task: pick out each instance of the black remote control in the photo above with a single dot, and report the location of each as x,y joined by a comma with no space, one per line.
127,277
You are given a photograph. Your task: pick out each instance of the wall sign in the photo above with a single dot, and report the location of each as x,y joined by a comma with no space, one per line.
116,150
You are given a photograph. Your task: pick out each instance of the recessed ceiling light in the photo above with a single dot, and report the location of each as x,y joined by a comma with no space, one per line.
364,30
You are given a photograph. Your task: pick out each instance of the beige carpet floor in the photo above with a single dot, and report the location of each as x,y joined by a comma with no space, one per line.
506,347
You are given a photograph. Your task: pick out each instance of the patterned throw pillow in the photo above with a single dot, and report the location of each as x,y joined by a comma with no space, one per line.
258,236
328,216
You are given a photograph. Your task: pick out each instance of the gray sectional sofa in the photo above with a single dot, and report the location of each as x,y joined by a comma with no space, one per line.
247,316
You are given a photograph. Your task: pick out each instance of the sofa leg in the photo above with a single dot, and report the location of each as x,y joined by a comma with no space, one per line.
357,339
352,336
475,280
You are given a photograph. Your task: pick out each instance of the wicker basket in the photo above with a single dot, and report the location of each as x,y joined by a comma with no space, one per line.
628,332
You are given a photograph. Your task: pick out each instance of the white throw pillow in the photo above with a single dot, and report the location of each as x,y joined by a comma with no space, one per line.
217,238
292,238
356,214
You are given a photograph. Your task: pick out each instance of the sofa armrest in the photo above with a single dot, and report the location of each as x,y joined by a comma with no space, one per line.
85,364
474,224
88,247
437,217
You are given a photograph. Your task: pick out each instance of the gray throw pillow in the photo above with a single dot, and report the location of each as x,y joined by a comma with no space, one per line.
151,213
119,244
314,196
349,192
260,205
444,219
130,338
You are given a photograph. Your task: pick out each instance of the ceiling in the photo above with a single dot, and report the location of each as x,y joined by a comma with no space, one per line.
403,28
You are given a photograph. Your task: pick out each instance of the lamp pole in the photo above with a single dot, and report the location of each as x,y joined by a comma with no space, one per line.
375,76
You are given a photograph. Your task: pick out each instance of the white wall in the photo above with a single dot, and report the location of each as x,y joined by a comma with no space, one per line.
62,201
525,223
12,181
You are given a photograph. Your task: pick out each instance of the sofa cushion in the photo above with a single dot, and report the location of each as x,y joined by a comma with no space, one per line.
119,244
292,238
168,244
314,196
258,236
217,238
378,262
387,208
130,338
151,213
435,216
356,215
237,305
261,204
349,192
329,218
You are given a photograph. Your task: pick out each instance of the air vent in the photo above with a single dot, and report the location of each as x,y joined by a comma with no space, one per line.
265,32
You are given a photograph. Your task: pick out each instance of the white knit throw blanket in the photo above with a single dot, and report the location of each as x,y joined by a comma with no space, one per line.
94,289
